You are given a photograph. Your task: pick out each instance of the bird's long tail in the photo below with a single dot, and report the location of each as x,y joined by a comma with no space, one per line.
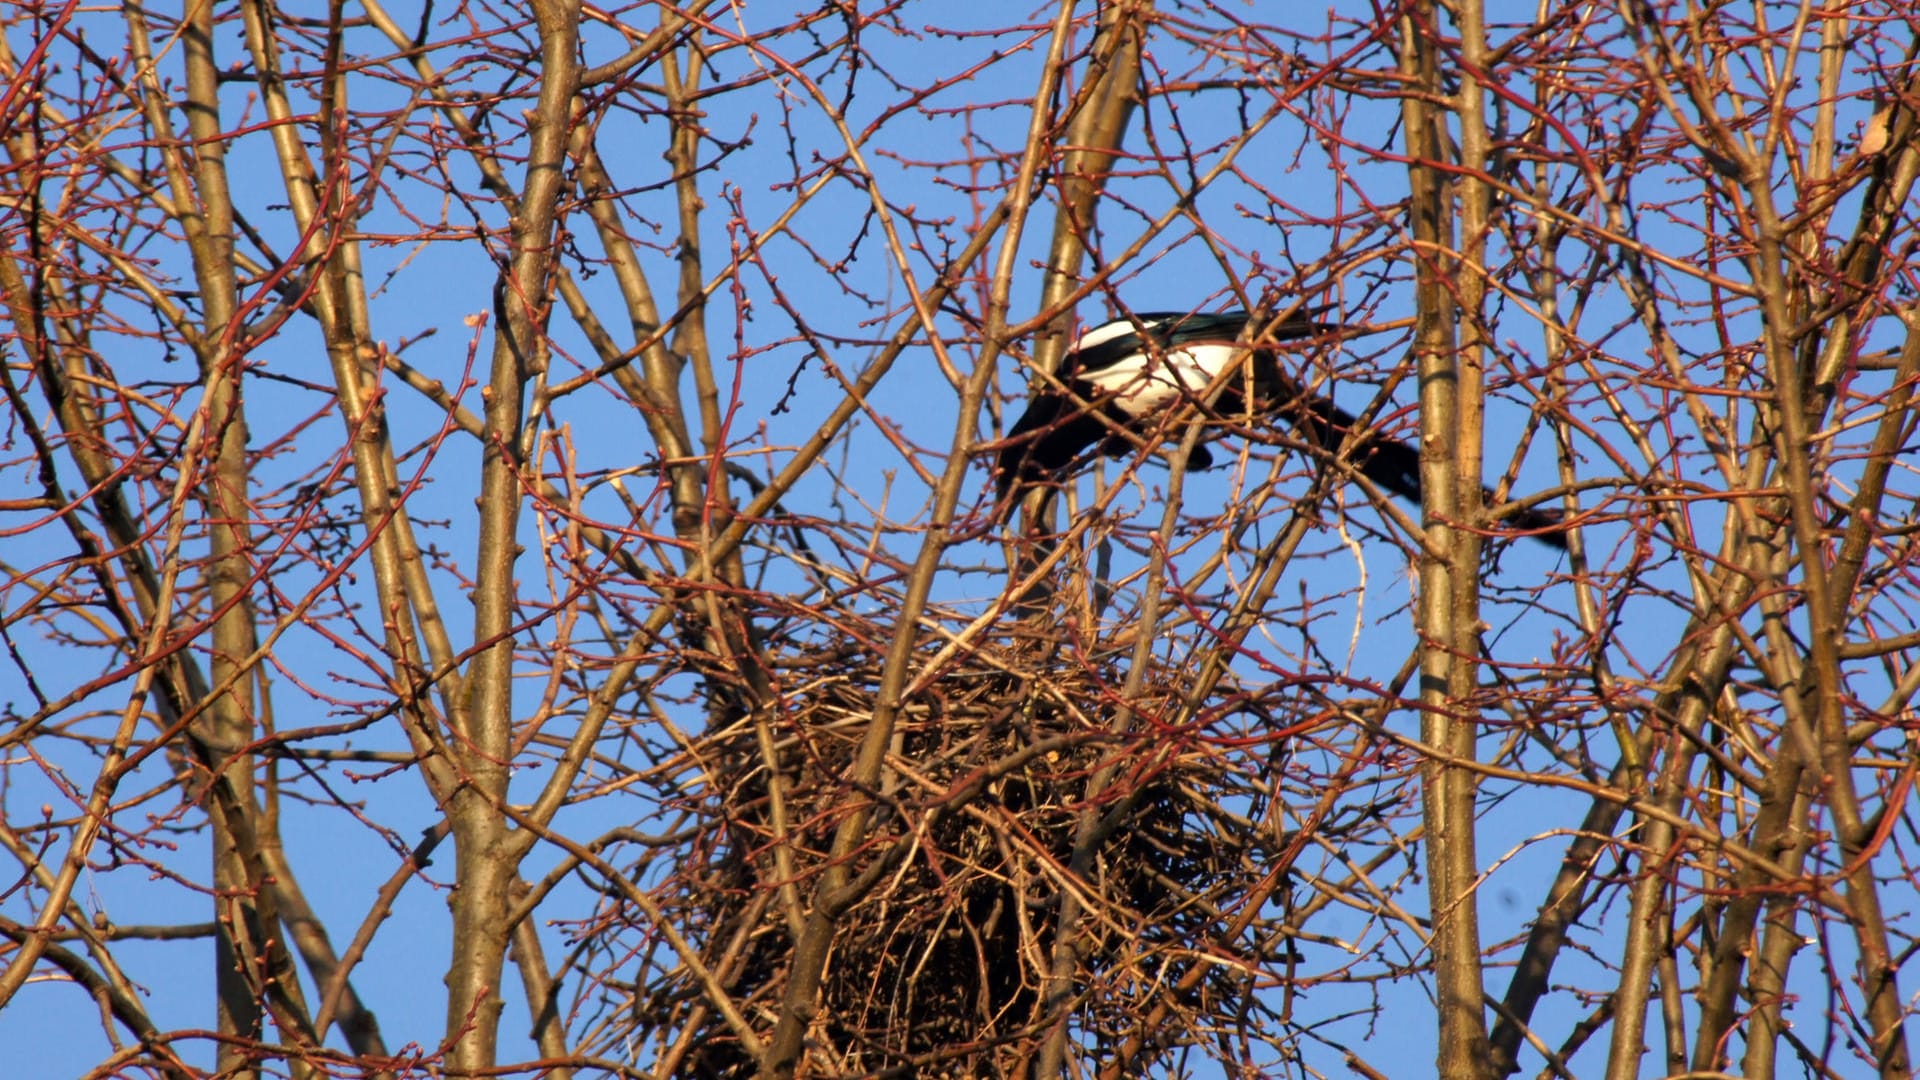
1395,465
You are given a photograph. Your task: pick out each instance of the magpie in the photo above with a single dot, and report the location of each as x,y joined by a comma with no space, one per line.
1125,374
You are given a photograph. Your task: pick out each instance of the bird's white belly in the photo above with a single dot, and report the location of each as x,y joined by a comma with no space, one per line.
1142,383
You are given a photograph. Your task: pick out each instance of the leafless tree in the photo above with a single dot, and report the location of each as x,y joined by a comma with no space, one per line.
498,511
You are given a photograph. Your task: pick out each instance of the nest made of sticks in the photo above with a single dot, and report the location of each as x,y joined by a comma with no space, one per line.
1042,847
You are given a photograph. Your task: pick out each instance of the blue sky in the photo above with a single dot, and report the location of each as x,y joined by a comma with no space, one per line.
1292,197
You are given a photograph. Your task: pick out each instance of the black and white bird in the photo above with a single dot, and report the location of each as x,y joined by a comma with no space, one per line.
1126,375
